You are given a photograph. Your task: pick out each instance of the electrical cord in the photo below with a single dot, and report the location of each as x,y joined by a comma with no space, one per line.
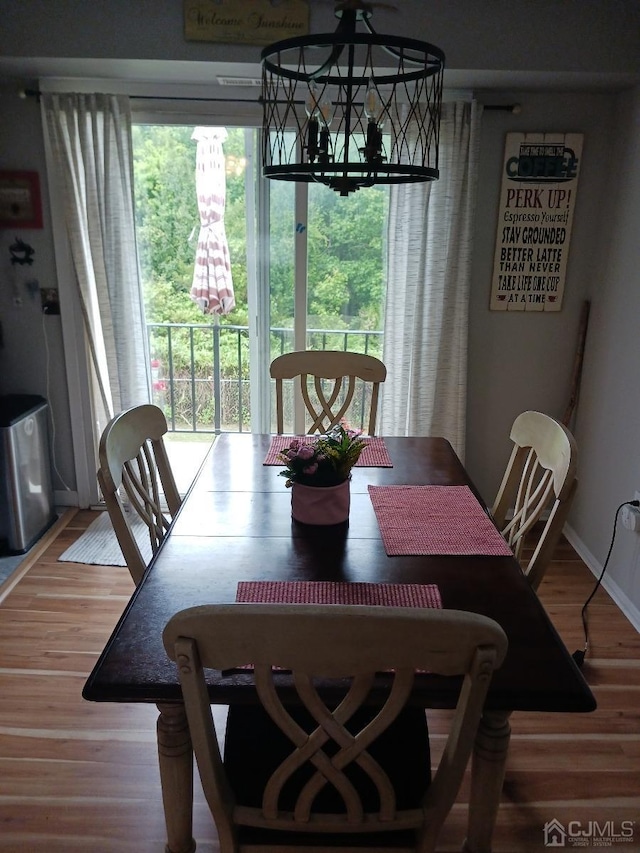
53,421
580,654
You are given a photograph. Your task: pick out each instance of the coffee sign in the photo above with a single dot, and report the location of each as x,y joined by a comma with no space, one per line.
539,187
245,21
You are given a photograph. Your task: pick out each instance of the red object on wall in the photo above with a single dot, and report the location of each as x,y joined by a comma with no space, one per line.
20,200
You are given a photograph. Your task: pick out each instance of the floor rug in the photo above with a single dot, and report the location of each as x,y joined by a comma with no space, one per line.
98,545
9,564
14,568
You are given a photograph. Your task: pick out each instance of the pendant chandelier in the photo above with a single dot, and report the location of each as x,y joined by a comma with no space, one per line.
351,109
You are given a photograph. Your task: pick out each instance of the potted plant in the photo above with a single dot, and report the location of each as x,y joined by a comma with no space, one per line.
318,470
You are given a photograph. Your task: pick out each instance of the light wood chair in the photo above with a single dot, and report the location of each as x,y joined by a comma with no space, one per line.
344,368
540,476
133,458
345,773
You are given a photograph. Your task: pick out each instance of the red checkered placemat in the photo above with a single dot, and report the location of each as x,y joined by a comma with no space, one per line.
335,592
374,455
434,520
339,592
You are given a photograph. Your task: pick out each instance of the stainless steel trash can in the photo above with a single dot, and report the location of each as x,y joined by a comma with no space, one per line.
26,493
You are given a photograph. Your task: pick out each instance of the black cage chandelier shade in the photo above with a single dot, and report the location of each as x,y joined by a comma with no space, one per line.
351,109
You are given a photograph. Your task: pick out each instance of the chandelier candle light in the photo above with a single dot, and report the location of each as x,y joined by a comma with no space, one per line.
319,473
351,109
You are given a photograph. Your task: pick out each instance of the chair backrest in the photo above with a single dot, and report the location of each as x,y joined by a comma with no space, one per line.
133,459
344,368
320,643
540,476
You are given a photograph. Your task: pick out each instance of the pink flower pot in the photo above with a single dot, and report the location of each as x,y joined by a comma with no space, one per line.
320,505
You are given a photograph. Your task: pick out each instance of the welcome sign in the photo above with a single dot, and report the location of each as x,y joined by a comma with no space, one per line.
245,21
537,200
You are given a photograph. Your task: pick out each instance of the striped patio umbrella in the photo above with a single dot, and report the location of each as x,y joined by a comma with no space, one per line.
212,286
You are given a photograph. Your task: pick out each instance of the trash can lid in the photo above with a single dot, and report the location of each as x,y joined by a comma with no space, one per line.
13,407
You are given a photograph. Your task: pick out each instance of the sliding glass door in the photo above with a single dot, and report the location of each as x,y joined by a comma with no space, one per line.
307,268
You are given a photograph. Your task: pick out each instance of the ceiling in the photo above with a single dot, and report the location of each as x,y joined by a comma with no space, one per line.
182,78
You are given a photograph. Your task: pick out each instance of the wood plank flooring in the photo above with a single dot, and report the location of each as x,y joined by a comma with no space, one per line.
78,776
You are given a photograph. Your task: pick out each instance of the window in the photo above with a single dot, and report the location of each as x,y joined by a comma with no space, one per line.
307,266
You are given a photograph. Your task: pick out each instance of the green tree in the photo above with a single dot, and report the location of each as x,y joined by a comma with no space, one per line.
345,246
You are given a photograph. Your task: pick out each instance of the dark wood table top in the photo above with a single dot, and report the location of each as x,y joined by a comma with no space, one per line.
235,525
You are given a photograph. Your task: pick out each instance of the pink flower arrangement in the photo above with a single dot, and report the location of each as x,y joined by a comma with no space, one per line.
326,460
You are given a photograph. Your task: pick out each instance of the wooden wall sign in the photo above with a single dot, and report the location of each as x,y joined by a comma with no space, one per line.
20,203
245,21
539,186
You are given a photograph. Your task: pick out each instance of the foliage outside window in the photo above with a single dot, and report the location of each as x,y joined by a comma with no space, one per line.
345,272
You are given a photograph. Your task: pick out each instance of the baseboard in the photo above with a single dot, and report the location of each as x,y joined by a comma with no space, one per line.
630,610
35,552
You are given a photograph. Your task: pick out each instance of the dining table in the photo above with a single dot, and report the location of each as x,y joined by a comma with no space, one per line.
234,529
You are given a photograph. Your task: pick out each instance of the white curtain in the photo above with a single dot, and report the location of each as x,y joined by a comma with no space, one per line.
90,140
428,272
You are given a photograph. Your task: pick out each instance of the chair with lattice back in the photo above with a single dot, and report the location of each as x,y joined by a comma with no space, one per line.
323,764
540,478
317,369
135,470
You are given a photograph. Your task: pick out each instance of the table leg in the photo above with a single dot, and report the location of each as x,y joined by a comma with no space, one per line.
176,776
487,776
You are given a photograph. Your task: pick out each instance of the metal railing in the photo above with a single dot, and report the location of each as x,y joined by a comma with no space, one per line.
200,372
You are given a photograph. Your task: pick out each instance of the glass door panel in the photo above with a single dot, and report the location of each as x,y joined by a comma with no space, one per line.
346,274
307,267
199,362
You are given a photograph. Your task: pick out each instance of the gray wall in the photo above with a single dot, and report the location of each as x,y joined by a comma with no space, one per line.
31,357
524,360
519,362
517,36
608,426
566,62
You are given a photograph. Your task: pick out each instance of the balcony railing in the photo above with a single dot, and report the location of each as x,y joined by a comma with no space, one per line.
200,373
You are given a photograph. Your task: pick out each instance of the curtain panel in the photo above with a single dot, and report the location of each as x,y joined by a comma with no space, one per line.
90,140
428,274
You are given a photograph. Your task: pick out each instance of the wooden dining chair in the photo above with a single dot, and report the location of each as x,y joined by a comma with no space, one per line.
540,478
315,370
316,763
134,469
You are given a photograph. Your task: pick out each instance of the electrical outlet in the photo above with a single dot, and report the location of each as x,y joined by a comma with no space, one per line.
50,301
631,516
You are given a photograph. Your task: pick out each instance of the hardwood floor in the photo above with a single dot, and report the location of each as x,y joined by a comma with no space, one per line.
78,776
